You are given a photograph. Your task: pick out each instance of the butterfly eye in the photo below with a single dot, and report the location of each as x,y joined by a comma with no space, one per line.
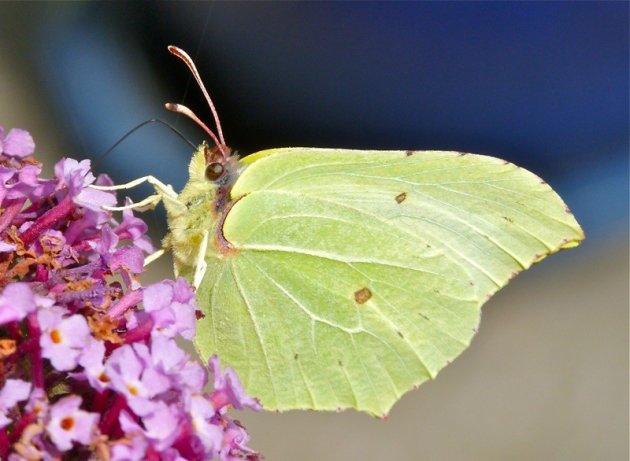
214,171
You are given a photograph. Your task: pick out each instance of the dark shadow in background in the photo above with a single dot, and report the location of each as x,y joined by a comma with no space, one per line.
544,85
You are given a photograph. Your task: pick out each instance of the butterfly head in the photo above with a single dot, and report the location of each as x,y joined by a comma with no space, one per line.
221,166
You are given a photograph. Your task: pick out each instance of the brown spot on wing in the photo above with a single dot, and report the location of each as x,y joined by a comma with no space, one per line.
401,197
362,296
409,153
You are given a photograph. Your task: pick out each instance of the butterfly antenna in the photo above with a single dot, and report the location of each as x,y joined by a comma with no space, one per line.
102,155
181,54
180,109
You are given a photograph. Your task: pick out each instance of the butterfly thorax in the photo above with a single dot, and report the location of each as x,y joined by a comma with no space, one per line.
200,208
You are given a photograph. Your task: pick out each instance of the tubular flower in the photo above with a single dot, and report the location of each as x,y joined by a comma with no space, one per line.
89,363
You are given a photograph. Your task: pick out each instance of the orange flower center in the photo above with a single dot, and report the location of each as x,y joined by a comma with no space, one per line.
67,423
55,336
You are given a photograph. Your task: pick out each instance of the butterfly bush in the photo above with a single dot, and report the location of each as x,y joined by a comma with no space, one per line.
90,366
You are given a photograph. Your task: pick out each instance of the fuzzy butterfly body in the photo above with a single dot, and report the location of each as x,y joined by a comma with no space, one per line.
333,278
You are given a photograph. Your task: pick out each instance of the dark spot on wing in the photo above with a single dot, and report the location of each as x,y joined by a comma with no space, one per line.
400,334
362,296
340,363
508,219
401,197
295,356
409,153
423,316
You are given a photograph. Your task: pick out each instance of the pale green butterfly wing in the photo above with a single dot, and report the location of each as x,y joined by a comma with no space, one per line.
357,275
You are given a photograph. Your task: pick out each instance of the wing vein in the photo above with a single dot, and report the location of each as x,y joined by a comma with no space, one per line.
256,328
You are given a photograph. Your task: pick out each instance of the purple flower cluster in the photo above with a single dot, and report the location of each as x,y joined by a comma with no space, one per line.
89,364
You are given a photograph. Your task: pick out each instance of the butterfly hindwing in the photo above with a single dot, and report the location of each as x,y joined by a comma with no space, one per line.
357,275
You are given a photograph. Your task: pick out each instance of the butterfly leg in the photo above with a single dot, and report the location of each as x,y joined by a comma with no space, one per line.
161,188
164,191
153,256
148,203
200,264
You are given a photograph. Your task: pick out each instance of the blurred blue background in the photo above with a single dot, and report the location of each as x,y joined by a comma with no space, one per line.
544,85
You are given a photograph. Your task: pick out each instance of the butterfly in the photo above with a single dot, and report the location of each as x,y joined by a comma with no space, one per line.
336,278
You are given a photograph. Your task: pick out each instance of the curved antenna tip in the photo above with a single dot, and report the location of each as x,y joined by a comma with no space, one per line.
177,51
181,54
181,109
